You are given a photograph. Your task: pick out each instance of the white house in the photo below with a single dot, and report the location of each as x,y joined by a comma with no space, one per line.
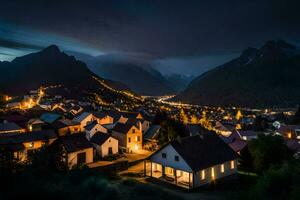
192,161
84,119
79,151
105,144
93,128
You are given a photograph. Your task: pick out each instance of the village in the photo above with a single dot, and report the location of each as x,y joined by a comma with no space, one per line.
205,148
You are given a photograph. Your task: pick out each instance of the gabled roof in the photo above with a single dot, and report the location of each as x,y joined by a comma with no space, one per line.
35,121
249,133
64,123
238,144
28,137
81,117
151,132
75,142
229,139
49,117
99,138
9,126
91,125
122,128
203,151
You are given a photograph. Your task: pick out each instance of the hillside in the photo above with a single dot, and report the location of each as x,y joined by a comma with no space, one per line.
52,67
133,72
264,77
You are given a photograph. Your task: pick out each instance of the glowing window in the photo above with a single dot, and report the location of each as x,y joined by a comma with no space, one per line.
232,164
212,173
202,174
222,168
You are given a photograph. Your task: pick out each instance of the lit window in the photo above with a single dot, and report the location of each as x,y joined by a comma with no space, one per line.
222,168
202,174
164,155
212,173
176,158
31,144
232,164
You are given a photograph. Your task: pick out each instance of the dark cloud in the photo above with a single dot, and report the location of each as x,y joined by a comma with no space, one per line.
169,28
18,45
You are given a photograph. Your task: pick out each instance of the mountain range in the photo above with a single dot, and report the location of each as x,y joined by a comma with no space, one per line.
264,77
50,67
134,72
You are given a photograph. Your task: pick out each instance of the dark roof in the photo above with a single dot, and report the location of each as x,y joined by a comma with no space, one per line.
249,133
91,125
122,128
75,142
49,117
100,114
238,145
151,132
231,138
203,151
99,138
80,117
64,123
28,137
195,129
9,126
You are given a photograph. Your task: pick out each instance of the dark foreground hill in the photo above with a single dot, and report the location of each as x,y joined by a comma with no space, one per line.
264,77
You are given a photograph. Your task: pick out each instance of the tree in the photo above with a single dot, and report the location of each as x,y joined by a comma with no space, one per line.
267,150
183,117
50,158
238,115
160,117
170,130
194,119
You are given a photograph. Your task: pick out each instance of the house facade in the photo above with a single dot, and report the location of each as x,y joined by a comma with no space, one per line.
129,135
79,151
105,144
193,161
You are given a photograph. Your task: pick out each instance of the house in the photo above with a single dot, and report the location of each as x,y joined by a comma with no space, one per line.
192,161
289,131
104,118
105,144
23,145
35,124
249,134
222,129
66,126
129,135
84,119
79,151
10,128
93,128
50,118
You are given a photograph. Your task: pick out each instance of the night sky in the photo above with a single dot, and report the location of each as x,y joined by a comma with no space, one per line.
177,36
